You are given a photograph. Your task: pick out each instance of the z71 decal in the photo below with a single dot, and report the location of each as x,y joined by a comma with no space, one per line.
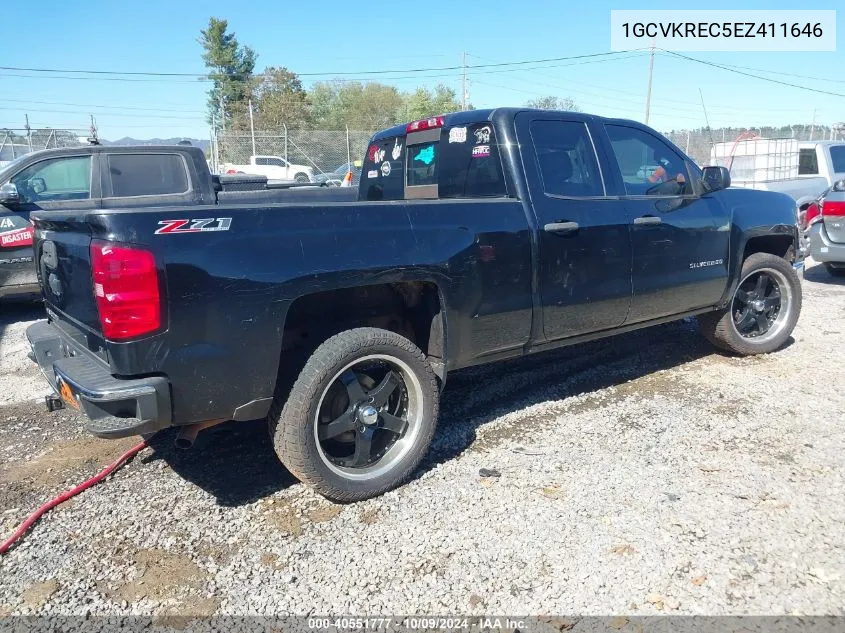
193,226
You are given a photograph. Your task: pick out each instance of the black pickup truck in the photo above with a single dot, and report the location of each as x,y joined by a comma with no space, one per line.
475,236
87,178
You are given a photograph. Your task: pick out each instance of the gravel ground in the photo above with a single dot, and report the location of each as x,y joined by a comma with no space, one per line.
642,474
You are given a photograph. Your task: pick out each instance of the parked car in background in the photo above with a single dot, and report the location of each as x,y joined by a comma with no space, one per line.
273,167
825,225
335,177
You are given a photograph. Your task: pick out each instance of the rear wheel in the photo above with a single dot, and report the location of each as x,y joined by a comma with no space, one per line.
360,416
763,310
835,270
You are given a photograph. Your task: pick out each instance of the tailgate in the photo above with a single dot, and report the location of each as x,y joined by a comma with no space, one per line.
833,216
63,264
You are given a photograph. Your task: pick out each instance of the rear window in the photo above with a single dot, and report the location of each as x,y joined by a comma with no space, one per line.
147,175
837,158
471,166
422,164
456,162
808,162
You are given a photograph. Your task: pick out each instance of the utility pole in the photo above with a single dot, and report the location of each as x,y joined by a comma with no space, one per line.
813,126
93,138
222,115
252,127
648,90
28,132
464,81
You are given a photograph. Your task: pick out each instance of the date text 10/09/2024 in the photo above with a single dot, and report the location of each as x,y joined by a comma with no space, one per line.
414,623
722,29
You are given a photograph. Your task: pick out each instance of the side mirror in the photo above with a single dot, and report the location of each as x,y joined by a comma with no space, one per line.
9,194
839,185
715,178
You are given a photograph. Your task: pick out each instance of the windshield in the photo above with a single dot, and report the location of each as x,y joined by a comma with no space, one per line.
9,169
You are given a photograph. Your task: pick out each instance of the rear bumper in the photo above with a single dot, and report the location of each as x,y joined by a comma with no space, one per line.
822,249
115,407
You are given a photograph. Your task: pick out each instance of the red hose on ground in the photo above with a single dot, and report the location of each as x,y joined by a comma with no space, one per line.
108,470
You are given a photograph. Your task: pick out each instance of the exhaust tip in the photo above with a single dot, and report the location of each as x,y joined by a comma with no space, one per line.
183,443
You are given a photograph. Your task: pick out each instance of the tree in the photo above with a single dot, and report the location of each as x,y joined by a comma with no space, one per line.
554,103
422,103
279,98
336,105
231,66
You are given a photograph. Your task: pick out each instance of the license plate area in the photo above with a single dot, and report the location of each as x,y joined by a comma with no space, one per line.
66,393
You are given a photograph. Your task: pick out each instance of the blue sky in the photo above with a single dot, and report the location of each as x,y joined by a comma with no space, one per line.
332,37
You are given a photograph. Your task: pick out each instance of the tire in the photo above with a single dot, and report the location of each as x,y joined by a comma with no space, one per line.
835,271
300,177
766,318
357,362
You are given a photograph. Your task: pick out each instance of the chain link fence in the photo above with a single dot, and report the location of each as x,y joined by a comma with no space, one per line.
17,142
328,153
697,143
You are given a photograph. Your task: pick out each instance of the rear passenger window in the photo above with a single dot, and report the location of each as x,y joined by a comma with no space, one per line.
567,159
470,166
147,174
808,162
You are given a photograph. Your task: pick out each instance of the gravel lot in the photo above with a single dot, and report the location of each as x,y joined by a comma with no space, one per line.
643,474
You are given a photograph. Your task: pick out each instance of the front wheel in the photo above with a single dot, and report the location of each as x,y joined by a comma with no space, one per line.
300,177
360,416
763,310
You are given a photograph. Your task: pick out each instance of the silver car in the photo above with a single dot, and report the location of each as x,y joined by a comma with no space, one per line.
827,231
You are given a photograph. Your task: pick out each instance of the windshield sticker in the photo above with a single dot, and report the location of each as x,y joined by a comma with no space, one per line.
375,154
480,151
458,135
385,168
482,134
397,150
426,156
373,173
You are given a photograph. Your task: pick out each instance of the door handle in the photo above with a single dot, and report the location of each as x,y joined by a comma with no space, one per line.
561,227
648,219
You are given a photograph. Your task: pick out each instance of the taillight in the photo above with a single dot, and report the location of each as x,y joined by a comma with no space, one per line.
424,124
126,290
811,213
832,208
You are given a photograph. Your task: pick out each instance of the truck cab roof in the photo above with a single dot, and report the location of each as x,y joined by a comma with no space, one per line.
495,115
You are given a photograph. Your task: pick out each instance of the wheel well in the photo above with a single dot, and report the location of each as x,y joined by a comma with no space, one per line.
780,245
411,309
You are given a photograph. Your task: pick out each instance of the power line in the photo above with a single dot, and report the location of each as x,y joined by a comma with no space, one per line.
212,76
778,72
92,105
339,79
639,96
103,113
740,72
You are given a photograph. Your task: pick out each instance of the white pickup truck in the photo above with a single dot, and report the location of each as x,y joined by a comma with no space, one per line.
273,167
801,169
